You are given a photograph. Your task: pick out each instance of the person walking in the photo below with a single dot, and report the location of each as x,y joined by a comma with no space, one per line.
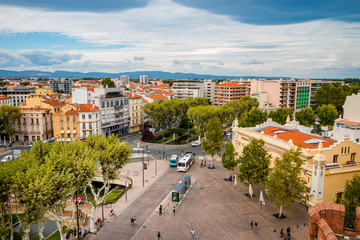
256,225
158,235
251,225
174,210
192,234
160,209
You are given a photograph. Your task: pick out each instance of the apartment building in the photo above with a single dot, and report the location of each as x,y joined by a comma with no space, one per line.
66,124
89,120
34,124
136,112
228,92
124,79
39,92
288,94
6,101
187,89
209,89
271,87
302,94
144,79
328,163
18,94
63,85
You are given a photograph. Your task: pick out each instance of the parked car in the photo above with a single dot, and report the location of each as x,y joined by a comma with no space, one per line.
173,161
196,144
7,158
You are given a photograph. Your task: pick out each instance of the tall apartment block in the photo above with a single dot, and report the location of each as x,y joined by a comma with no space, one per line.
187,89
302,95
124,78
62,85
228,92
18,94
209,88
144,79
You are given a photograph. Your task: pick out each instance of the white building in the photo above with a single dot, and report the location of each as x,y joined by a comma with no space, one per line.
124,78
89,120
187,89
209,89
144,79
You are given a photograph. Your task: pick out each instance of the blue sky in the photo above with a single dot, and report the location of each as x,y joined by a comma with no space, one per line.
229,37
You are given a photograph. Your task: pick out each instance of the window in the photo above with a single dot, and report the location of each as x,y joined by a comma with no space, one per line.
84,125
107,104
90,125
68,135
68,126
62,126
84,133
67,118
83,116
112,103
74,119
74,126
90,132
61,119
335,158
352,157
103,104
90,115
348,150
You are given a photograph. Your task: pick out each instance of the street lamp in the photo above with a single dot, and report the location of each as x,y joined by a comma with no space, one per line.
143,169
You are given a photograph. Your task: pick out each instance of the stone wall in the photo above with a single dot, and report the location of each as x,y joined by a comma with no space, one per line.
326,219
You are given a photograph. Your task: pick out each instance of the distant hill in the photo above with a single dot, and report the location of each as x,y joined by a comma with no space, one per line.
132,75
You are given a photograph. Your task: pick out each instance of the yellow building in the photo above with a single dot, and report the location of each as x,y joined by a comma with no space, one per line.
51,104
66,124
136,112
41,92
328,163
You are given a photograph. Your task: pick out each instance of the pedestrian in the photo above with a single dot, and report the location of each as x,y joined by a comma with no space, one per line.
256,225
160,209
205,162
251,225
158,236
174,210
192,234
282,235
288,236
134,219
182,153
288,229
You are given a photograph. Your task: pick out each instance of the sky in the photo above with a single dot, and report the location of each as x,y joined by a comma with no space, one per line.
269,38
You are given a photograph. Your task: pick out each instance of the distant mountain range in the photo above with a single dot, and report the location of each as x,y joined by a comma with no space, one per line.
132,75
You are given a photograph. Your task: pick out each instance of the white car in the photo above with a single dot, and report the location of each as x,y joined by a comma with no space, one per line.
196,144
7,158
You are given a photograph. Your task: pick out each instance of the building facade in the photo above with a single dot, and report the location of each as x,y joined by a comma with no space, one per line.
6,101
18,94
62,85
89,120
34,124
328,163
228,92
209,89
144,79
136,112
302,95
187,89
124,78
66,124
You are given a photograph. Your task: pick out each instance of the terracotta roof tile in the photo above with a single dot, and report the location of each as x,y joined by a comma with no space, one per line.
88,108
230,85
71,112
3,97
54,103
157,96
347,122
298,138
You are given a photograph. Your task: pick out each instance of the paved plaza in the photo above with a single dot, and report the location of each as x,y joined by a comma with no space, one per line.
213,208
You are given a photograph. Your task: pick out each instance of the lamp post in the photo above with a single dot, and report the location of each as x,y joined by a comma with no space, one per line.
163,155
147,150
126,188
102,211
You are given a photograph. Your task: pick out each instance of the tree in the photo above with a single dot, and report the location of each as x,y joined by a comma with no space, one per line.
186,123
200,116
25,83
351,200
254,163
306,117
285,182
331,94
213,138
280,115
327,114
111,154
228,157
108,82
8,116
253,118
236,109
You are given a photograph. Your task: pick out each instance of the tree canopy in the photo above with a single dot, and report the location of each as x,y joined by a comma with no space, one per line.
351,200
306,117
213,138
228,156
327,114
8,116
280,115
254,163
253,118
108,82
285,182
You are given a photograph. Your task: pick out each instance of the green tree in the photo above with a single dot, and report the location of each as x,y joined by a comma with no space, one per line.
200,116
25,83
108,82
112,155
236,109
351,200
228,157
8,116
285,182
306,117
280,115
213,138
253,118
331,93
254,163
327,114
186,123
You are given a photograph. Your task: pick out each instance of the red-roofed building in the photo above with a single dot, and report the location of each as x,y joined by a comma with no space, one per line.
89,120
6,101
66,123
136,112
328,163
228,92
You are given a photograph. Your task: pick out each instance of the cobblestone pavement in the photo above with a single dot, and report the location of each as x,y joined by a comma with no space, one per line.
213,208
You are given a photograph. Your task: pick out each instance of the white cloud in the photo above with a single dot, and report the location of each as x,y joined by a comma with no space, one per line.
163,32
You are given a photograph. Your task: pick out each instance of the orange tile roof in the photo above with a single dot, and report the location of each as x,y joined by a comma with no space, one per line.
88,108
133,95
230,85
348,122
157,96
71,112
144,101
54,103
298,138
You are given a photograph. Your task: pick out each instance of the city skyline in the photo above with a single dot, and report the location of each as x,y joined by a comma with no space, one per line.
297,39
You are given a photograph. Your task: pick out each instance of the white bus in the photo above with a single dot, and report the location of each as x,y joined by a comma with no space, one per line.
185,162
